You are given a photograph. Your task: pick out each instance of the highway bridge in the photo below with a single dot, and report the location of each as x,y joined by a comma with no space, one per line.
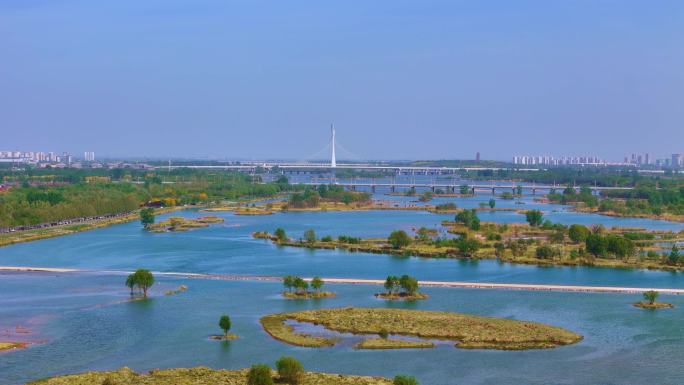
454,187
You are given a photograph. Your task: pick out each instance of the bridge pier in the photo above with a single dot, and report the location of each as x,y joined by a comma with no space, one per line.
433,189
493,190
392,189
472,191
373,189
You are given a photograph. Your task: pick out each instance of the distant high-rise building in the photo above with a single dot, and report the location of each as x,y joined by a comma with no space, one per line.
647,159
89,156
477,157
676,160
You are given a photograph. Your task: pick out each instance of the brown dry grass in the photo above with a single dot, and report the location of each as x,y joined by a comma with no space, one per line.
198,376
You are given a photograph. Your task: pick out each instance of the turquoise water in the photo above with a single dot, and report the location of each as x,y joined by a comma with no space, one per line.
82,323
91,331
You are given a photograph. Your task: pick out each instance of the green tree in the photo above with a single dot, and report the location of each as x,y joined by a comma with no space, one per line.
300,285
141,279
409,284
596,244
130,282
464,189
391,283
578,233
620,246
280,234
404,380
144,280
534,217
651,296
546,252
399,239
289,282
259,374
310,236
469,218
147,216
224,324
317,283
467,246
499,249
492,203
426,197
673,257
290,370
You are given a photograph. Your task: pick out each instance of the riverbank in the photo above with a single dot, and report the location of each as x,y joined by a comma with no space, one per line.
176,224
516,243
58,231
581,208
198,376
466,331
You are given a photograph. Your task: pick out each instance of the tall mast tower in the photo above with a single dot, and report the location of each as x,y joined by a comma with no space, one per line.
333,161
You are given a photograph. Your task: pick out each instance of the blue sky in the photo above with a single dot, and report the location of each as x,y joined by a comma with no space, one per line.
400,79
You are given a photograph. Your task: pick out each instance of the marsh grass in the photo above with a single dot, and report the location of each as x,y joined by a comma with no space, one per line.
654,305
198,376
393,343
467,331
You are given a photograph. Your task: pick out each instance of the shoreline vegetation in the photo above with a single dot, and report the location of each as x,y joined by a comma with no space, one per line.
538,242
309,295
11,238
650,302
298,288
660,200
381,343
200,376
404,288
46,203
655,305
402,296
224,337
178,224
466,331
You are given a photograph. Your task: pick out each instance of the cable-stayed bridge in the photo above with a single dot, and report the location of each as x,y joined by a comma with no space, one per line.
307,167
332,148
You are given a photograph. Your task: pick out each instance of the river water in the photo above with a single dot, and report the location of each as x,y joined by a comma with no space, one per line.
81,321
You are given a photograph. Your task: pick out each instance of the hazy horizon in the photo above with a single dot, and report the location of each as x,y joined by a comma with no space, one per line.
399,79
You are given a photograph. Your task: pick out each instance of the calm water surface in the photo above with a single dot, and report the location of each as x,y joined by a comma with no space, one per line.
83,324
